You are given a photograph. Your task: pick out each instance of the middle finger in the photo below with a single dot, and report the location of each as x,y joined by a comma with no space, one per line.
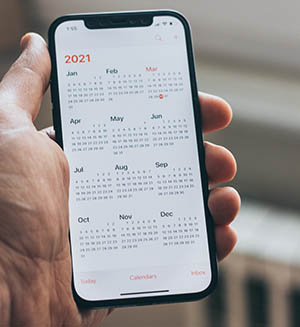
220,164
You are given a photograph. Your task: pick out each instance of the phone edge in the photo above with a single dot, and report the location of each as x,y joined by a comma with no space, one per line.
176,298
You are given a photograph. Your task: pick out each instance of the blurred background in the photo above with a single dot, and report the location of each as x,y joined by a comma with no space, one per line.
249,53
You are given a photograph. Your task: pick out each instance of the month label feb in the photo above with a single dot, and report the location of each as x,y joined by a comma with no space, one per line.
111,71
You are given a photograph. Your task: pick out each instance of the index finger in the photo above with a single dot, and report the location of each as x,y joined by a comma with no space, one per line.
216,113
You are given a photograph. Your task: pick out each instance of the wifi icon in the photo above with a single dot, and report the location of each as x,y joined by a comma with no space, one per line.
164,23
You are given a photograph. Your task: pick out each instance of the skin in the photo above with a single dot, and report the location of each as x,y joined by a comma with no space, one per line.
35,264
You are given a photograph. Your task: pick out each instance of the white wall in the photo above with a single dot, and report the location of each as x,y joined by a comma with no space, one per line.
266,31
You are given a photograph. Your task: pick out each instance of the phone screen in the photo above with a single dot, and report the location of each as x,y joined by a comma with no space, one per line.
137,214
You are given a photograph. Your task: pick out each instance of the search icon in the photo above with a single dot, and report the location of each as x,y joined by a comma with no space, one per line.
158,37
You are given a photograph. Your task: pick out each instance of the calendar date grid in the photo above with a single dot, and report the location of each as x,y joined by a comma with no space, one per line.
125,185
139,234
121,139
109,88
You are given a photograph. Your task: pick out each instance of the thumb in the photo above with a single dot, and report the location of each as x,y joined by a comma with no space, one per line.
26,81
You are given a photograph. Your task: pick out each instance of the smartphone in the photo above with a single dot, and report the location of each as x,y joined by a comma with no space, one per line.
127,115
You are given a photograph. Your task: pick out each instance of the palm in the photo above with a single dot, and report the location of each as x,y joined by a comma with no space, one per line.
39,222
36,227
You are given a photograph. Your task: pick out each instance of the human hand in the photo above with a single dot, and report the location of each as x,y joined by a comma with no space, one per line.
35,263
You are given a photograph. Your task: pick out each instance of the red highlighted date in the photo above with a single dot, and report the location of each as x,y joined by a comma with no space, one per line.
77,59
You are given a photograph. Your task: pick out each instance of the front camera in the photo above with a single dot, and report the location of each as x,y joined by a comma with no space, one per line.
132,21
146,21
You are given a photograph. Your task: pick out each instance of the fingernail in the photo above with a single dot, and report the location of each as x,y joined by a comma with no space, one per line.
51,133
25,40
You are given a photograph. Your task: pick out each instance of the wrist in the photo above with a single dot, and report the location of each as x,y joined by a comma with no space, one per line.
23,301
30,293
5,301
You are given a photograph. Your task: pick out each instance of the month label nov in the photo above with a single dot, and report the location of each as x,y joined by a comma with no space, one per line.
125,217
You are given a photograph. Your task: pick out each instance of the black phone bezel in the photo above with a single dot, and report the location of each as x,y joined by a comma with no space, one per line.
160,299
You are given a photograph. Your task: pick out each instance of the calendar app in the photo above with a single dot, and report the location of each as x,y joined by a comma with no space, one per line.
137,219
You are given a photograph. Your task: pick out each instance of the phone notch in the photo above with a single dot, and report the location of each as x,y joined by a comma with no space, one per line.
111,21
